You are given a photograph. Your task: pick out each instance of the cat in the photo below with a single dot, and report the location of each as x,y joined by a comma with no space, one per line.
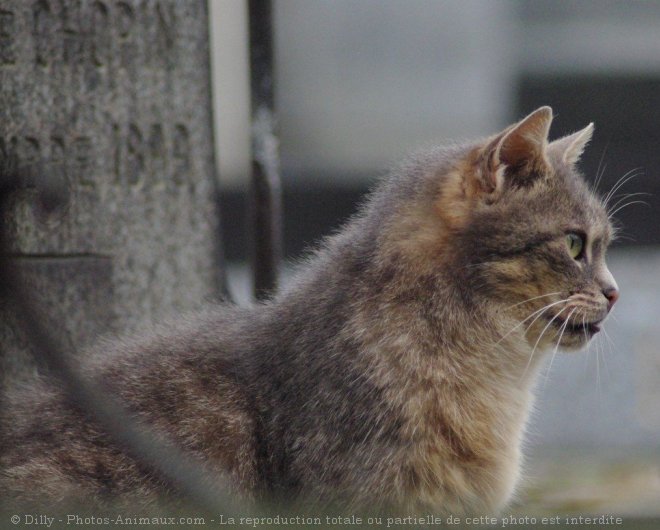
395,370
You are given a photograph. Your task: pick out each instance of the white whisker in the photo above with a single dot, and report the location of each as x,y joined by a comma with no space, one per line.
531,355
625,196
612,349
633,173
610,215
607,336
622,181
530,299
598,392
561,334
538,312
623,236
587,357
599,173
584,330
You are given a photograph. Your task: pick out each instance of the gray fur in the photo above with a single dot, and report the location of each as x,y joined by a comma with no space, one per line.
388,373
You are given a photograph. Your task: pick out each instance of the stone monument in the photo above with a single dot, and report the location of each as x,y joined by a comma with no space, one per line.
110,102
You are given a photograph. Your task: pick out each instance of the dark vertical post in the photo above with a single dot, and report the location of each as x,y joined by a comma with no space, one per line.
266,193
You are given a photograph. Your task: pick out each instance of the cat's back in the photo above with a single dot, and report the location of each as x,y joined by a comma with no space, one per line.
183,378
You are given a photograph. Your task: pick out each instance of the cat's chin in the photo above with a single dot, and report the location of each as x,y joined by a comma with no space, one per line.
577,337
571,336
575,334
574,344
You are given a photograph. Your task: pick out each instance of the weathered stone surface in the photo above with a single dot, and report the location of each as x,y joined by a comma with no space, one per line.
76,295
111,101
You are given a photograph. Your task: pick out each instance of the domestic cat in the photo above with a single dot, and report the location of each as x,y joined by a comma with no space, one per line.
396,370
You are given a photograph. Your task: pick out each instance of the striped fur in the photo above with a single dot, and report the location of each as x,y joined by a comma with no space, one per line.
395,370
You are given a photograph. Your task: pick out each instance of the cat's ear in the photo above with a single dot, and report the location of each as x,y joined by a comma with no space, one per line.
571,147
520,150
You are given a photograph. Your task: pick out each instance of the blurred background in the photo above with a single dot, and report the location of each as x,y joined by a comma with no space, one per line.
360,84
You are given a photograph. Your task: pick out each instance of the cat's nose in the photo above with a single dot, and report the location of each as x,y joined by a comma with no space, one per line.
612,295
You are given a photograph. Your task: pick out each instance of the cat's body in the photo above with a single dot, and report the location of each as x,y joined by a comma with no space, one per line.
393,372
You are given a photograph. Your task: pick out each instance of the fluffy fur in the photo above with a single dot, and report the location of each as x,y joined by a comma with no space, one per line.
397,368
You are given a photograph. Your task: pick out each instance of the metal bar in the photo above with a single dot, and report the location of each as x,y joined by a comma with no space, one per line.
266,191
222,284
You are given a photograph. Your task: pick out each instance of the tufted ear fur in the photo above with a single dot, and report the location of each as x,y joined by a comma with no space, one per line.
519,152
570,147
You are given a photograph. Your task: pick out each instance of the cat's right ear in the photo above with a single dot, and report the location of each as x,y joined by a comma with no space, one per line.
570,147
517,154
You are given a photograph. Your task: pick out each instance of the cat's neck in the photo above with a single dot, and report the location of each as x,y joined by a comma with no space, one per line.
424,324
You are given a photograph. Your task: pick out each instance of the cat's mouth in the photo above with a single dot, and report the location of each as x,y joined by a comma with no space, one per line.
590,328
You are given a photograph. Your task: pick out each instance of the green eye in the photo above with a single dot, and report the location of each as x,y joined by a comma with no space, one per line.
575,244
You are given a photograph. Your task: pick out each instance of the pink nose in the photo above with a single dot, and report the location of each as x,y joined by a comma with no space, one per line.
612,295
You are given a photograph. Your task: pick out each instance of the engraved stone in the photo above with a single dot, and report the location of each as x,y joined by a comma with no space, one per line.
110,101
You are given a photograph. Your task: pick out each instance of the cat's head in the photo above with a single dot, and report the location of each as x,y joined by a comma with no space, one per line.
535,236
520,231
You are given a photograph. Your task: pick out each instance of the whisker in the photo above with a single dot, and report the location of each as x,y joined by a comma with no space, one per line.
531,355
600,174
610,344
580,297
620,183
607,336
532,322
621,198
587,358
626,205
622,180
598,397
539,311
633,173
624,236
530,299
561,334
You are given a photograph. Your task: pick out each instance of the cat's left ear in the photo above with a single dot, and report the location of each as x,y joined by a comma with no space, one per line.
519,152
571,147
